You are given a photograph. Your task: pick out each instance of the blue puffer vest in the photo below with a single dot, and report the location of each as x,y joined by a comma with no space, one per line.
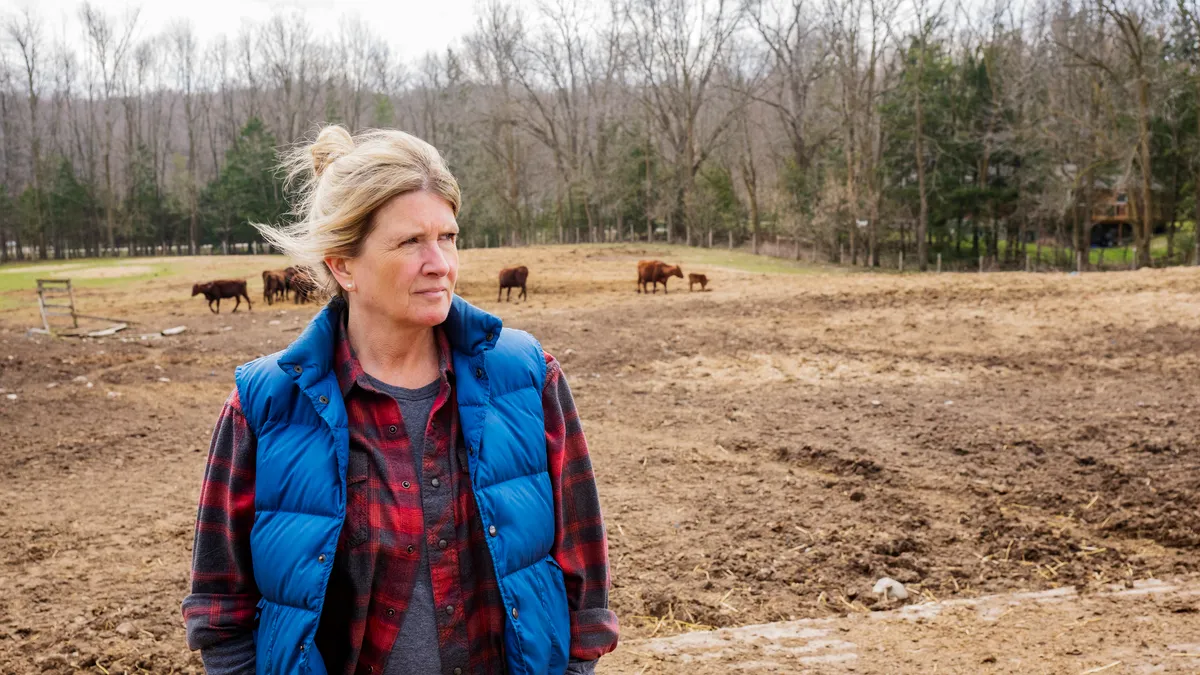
293,404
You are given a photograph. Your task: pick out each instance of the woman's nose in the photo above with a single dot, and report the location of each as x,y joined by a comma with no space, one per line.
435,262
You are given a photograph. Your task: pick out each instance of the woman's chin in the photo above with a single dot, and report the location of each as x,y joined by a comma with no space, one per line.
429,316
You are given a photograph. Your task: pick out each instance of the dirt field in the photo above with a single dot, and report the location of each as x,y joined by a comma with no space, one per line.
765,452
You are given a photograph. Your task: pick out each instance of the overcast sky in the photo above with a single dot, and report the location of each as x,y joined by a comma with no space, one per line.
413,27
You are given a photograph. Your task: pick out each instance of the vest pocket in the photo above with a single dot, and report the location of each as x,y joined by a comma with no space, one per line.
554,603
358,527
266,634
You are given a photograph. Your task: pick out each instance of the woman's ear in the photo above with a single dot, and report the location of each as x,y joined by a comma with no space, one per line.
340,269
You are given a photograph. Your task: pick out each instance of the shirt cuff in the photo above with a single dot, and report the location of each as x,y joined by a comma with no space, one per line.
235,656
581,667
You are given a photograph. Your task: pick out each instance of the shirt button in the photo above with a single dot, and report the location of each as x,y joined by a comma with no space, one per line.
458,671
411,548
490,336
392,429
406,484
323,400
442,544
514,612
301,647
370,670
435,482
297,370
479,373
492,530
391,612
449,609
321,558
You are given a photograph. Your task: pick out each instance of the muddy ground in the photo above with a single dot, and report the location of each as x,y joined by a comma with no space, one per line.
765,450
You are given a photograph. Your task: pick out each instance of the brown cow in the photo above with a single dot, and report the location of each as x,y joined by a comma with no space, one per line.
655,272
289,280
274,285
223,288
302,285
513,277
694,278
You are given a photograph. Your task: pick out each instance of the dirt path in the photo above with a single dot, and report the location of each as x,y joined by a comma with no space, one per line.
765,451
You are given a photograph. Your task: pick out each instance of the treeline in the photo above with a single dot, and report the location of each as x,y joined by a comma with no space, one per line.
853,130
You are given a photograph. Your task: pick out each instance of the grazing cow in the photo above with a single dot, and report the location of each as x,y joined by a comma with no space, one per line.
694,278
513,277
274,286
224,288
302,285
289,278
655,272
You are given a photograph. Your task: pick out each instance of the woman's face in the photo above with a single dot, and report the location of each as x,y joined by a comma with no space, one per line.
408,264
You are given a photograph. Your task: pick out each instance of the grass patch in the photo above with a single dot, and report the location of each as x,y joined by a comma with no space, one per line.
716,256
748,262
18,280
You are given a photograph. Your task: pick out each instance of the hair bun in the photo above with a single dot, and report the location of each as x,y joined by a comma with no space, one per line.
333,142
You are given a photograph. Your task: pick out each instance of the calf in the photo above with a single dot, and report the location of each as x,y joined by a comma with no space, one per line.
655,272
224,288
513,277
694,278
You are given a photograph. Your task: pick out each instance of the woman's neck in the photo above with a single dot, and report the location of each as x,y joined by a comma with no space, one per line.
402,355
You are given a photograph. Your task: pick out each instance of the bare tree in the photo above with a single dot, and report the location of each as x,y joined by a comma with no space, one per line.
110,43
927,21
25,30
1124,24
677,46
183,50
493,53
292,59
859,33
248,69
7,151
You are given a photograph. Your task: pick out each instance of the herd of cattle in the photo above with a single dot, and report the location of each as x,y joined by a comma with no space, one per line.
277,284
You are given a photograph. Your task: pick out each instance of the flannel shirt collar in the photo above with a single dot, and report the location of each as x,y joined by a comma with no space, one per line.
350,371
467,331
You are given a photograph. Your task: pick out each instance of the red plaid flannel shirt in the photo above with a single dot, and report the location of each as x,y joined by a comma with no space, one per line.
360,624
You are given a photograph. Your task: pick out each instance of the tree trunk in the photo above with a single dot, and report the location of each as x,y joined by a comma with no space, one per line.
1144,152
923,217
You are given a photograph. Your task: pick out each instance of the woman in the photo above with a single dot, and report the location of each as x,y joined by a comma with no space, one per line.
406,487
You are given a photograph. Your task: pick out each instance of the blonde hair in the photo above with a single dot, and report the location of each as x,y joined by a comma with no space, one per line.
340,181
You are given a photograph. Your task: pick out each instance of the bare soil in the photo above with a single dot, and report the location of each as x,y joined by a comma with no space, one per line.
765,451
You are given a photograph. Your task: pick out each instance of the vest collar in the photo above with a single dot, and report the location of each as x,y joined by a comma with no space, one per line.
469,330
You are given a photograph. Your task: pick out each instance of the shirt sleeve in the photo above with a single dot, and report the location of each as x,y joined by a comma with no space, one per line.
219,612
580,543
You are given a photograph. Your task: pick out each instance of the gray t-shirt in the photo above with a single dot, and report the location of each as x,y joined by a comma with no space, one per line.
416,647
